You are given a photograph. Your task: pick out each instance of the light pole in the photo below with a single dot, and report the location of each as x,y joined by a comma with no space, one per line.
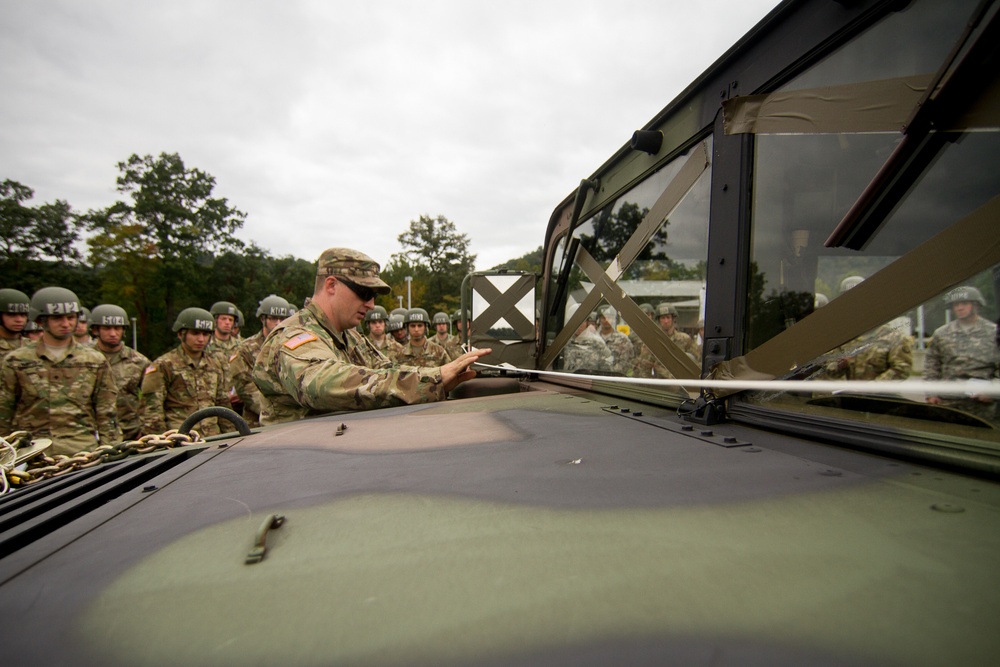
408,279
400,297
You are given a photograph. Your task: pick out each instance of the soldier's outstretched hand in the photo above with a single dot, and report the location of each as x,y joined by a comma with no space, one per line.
458,371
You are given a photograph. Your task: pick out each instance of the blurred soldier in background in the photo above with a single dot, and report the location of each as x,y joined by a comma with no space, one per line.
617,342
107,326
186,378
400,334
32,331
586,352
82,332
646,364
271,311
376,319
13,317
57,388
442,336
964,349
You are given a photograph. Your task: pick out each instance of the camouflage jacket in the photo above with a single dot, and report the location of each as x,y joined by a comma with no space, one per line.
428,354
586,352
648,366
452,346
884,354
71,401
241,364
11,344
959,353
621,351
175,385
389,347
307,368
127,367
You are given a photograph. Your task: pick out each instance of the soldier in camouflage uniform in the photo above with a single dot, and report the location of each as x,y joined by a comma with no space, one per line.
619,344
271,311
420,350
964,349
315,362
646,364
57,388
223,342
13,317
451,344
393,347
400,334
883,354
107,326
185,379
82,333
586,352
376,321
32,332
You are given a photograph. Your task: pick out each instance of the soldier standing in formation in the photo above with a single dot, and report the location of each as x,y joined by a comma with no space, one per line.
82,332
617,342
886,353
420,350
13,317
964,349
271,310
316,362
397,326
223,342
107,326
442,336
57,388
586,352
186,378
376,320
647,365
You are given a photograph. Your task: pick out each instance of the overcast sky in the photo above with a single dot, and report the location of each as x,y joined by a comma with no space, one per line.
335,124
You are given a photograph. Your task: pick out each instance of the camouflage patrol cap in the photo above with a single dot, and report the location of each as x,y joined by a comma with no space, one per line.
53,301
352,265
965,293
108,315
13,301
666,309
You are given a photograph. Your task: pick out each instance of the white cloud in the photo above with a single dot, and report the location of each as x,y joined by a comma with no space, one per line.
336,123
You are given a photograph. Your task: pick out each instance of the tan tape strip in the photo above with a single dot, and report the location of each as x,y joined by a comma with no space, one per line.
968,247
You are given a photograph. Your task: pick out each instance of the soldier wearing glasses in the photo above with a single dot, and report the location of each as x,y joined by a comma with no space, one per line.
316,362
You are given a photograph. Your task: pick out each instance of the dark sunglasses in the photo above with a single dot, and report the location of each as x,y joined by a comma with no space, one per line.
364,293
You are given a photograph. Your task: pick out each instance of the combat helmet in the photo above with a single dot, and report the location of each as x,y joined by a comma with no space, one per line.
395,322
84,314
666,308
14,301
647,308
195,319
850,282
108,315
417,315
965,293
224,308
441,318
376,314
239,319
273,305
52,301
398,311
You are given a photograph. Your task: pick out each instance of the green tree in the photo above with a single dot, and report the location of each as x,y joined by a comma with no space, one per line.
529,262
158,240
48,231
435,245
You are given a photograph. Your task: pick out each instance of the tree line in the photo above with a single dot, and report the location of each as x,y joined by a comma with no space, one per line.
168,243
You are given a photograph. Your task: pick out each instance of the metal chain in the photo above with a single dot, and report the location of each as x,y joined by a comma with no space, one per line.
43,467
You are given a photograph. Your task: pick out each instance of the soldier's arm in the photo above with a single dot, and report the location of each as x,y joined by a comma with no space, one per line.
900,360
8,398
106,406
153,417
242,374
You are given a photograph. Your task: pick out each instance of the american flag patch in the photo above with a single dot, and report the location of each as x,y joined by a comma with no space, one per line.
150,369
232,358
301,339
